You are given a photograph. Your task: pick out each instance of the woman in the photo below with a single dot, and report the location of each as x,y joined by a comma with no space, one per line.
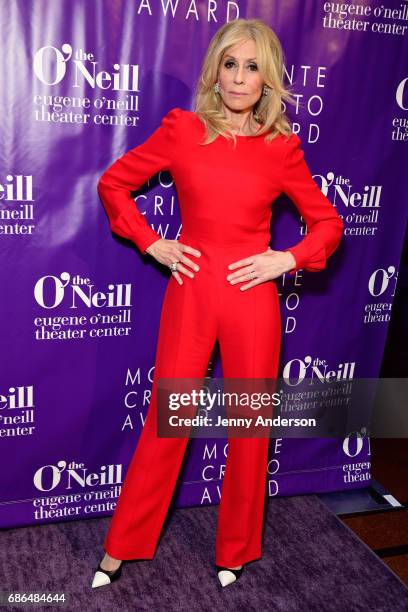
230,159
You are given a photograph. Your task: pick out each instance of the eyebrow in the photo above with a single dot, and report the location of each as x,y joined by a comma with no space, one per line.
248,60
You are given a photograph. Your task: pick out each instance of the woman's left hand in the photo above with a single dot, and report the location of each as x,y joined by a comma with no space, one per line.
261,267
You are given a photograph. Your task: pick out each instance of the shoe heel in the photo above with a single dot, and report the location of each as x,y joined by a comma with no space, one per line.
103,577
227,576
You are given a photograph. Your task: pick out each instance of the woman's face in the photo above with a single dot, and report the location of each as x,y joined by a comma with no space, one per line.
240,81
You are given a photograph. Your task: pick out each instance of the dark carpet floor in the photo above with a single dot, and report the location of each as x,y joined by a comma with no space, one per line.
311,561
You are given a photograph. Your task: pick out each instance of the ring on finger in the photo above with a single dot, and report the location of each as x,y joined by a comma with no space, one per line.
173,266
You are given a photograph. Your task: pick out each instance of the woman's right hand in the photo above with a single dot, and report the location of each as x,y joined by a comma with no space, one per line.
168,251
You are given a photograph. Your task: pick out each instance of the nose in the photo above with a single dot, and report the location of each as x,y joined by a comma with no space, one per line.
239,75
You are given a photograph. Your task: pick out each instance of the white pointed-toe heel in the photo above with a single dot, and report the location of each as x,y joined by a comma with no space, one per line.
103,577
227,576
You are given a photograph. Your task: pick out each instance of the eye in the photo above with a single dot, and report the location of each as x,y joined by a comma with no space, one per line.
228,63
253,67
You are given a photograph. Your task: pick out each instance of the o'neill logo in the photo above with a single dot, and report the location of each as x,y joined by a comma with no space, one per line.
48,477
382,280
17,188
50,291
296,370
51,65
401,94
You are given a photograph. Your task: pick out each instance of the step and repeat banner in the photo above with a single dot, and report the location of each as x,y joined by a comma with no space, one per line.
82,82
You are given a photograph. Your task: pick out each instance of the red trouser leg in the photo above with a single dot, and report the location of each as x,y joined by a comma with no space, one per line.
186,339
250,338
248,328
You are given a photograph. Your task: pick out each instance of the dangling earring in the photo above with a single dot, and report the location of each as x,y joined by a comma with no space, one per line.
217,87
265,90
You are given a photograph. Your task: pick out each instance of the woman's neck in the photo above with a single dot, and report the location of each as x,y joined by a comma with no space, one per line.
242,124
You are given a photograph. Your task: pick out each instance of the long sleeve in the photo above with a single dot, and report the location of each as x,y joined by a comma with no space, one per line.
129,173
324,225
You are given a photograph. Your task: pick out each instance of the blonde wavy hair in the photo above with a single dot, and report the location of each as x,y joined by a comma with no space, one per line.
270,61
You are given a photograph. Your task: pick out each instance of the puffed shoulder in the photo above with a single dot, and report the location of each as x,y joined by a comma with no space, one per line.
171,119
294,153
170,126
293,142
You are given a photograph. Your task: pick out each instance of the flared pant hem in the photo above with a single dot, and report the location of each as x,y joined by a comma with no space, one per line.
126,555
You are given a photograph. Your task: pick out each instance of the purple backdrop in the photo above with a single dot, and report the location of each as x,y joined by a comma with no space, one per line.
83,82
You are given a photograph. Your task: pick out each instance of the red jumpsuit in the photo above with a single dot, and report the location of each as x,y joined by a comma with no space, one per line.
225,198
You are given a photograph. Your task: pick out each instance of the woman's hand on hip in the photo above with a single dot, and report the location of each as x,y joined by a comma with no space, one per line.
167,252
260,268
